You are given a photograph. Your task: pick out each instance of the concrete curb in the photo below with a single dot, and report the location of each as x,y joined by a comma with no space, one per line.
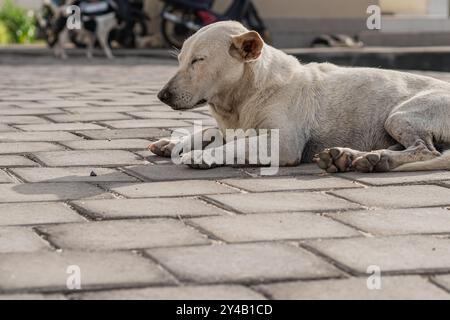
417,58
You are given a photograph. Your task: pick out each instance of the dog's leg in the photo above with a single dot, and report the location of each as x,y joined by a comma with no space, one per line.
416,125
203,138
60,50
104,26
90,38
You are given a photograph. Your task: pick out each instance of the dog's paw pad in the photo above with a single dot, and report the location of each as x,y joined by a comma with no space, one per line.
371,162
334,160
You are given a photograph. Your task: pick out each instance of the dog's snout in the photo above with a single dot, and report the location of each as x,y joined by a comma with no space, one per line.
165,95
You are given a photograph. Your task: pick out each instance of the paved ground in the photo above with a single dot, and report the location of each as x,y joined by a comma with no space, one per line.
78,188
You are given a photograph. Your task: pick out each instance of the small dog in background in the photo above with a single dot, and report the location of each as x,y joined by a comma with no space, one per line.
98,18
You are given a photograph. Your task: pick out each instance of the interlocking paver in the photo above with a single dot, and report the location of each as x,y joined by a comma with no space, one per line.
5,178
32,296
400,254
38,136
48,270
134,208
168,115
112,235
213,292
16,161
147,123
22,119
267,227
72,174
282,202
298,183
27,147
107,144
242,263
443,280
399,196
36,213
70,126
151,133
392,288
20,239
107,158
398,177
49,192
172,172
398,221
170,189
87,117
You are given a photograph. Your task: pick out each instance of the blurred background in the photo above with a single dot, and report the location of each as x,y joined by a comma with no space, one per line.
291,25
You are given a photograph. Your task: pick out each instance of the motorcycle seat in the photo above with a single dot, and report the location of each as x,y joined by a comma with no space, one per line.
192,4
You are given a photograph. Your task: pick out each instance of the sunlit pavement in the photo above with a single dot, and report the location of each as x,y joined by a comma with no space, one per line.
87,212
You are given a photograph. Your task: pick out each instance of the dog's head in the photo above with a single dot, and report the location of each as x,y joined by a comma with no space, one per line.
210,62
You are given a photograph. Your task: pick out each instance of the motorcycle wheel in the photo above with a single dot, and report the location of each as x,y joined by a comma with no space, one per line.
175,34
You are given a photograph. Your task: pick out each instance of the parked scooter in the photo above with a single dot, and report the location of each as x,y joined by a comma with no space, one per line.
182,18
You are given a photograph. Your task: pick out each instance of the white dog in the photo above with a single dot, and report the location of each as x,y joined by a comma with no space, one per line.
344,119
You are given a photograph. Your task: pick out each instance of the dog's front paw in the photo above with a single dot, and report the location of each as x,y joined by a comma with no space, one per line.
163,147
198,159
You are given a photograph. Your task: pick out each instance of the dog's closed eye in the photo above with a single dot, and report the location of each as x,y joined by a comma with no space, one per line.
195,60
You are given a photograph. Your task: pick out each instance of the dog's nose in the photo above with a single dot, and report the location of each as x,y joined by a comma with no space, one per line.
165,96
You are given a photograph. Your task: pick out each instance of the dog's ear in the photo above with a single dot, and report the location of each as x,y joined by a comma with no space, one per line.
246,46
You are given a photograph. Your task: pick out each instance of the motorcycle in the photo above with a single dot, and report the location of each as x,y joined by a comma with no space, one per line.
132,22
182,18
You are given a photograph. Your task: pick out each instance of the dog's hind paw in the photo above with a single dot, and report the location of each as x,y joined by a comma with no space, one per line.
335,160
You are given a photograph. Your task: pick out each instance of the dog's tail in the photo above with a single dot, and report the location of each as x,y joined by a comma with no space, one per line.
440,163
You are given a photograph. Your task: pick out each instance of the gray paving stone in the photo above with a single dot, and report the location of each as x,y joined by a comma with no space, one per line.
443,280
96,109
5,178
214,292
38,136
150,133
27,147
170,189
290,171
22,119
70,126
398,196
392,288
269,227
5,127
398,177
32,296
242,263
24,112
16,161
87,117
282,202
20,239
36,213
398,221
106,158
147,123
108,144
181,172
119,235
48,270
49,192
72,174
168,115
298,183
402,253
135,208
